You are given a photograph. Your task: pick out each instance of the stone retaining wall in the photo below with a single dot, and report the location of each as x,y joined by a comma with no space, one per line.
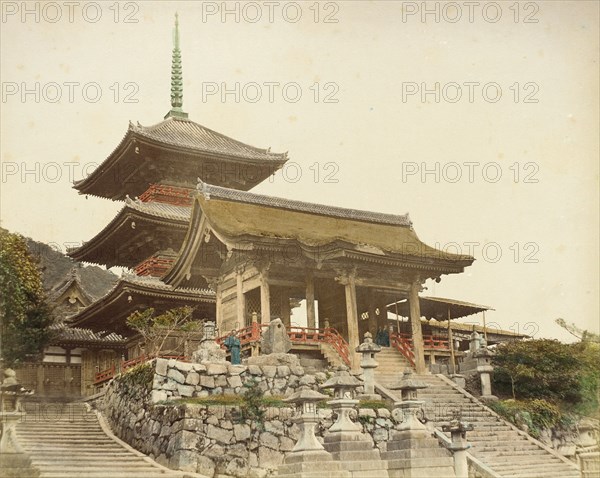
213,439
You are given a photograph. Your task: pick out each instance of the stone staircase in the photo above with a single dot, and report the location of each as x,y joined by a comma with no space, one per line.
68,441
505,450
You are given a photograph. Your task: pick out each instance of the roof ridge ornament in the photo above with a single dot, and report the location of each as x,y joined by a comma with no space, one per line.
176,77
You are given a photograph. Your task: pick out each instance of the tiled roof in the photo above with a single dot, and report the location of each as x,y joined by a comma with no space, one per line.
209,190
158,285
75,334
159,209
187,134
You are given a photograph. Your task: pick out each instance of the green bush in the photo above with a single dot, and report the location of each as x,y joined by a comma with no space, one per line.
549,370
537,414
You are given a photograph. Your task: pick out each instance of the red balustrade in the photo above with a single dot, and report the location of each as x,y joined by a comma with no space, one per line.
403,344
109,373
298,335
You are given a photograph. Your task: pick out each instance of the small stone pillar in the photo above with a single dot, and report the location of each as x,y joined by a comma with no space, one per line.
345,439
485,369
308,457
459,446
306,401
474,344
343,385
410,404
368,349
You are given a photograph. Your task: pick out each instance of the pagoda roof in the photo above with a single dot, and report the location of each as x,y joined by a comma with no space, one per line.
137,231
178,150
133,293
241,220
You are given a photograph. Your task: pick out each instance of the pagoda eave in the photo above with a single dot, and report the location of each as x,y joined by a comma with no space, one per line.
136,232
139,161
111,311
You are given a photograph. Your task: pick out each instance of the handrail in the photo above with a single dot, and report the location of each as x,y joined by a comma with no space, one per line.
403,344
109,373
299,335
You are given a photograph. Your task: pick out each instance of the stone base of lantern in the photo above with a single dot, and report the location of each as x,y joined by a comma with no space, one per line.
356,453
311,464
417,454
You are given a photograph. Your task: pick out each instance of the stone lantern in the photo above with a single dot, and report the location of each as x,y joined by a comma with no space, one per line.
13,460
410,405
306,400
209,330
368,349
484,367
343,385
458,434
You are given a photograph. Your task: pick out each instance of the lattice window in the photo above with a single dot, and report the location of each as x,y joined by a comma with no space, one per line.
252,304
275,302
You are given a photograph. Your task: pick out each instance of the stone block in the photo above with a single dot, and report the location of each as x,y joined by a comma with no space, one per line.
254,370
169,385
236,467
199,367
185,390
269,371
207,381
221,381
269,458
383,413
216,368
283,371
241,432
367,412
297,370
269,440
307,380
205,465
219,434
158,396
183,367
236,369
176,375
234,381
192,378
161,367
187,440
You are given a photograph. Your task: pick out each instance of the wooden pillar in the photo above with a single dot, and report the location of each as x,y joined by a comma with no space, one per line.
286,311
452,368
373,318
265,299
415,322
310,301
219,305
352,321
240,300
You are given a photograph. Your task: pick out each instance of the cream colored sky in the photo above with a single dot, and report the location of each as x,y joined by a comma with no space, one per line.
373,136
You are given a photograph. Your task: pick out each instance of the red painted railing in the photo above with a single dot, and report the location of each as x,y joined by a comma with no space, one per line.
110,372
298,335
403,343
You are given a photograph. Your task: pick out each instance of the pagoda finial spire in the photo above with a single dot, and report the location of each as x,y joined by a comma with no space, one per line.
176,77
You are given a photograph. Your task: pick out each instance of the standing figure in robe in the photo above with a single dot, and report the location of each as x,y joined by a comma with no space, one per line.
233,346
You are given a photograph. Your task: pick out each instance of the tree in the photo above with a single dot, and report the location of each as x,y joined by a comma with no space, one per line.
548,369
174,328
25,315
